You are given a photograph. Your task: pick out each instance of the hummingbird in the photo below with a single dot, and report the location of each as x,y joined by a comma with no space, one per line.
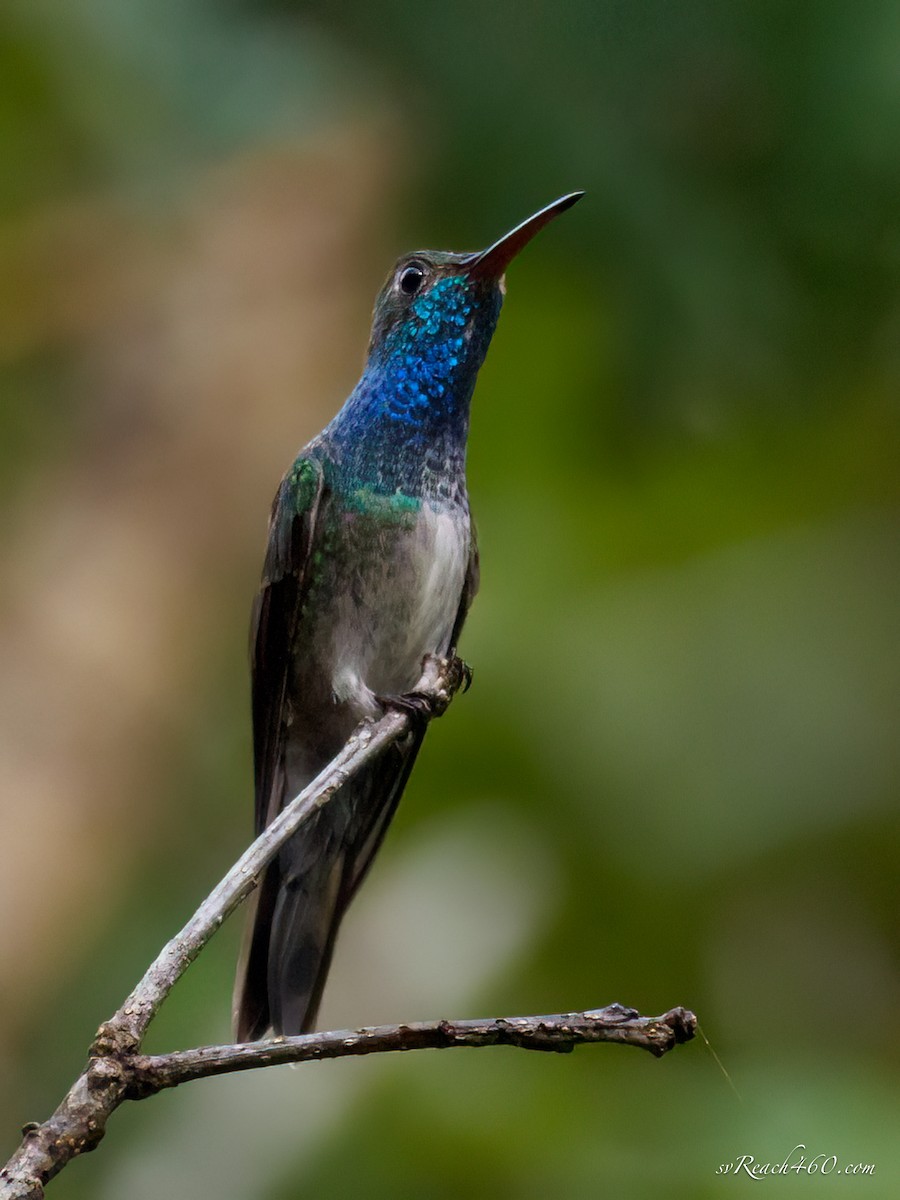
370,569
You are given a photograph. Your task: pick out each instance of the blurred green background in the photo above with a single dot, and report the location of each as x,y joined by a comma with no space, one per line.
675,779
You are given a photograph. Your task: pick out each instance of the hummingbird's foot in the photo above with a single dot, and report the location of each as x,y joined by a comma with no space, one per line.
441,679
415,705
455,671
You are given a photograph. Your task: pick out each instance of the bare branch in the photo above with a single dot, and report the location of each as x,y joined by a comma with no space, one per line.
561,1032
116,1071
80,1121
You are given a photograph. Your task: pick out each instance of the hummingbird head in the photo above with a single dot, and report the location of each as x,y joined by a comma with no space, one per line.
435,298
433,323
408,416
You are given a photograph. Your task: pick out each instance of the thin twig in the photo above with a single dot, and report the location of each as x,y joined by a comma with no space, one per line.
560,1032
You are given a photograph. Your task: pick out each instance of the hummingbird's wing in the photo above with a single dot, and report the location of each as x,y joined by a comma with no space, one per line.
470,587
276,614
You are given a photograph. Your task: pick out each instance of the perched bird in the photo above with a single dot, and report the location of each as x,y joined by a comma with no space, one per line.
371,566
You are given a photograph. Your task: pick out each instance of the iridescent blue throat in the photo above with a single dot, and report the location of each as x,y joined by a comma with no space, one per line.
407,419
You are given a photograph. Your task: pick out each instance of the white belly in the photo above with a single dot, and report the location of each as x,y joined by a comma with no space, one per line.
406,610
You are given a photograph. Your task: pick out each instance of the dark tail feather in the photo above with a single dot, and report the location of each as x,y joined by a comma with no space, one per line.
304,929
290,935
304,895
250,1014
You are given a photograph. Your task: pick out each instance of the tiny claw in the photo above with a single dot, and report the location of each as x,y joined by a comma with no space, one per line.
447,675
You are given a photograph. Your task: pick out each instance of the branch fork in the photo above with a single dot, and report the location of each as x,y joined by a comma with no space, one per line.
116,1070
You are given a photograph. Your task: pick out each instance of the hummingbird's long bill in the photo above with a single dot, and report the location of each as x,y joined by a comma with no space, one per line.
494,261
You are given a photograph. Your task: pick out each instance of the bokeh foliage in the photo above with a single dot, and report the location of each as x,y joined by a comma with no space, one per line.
675,779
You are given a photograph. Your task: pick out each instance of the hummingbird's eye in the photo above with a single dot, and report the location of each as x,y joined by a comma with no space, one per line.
411,278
